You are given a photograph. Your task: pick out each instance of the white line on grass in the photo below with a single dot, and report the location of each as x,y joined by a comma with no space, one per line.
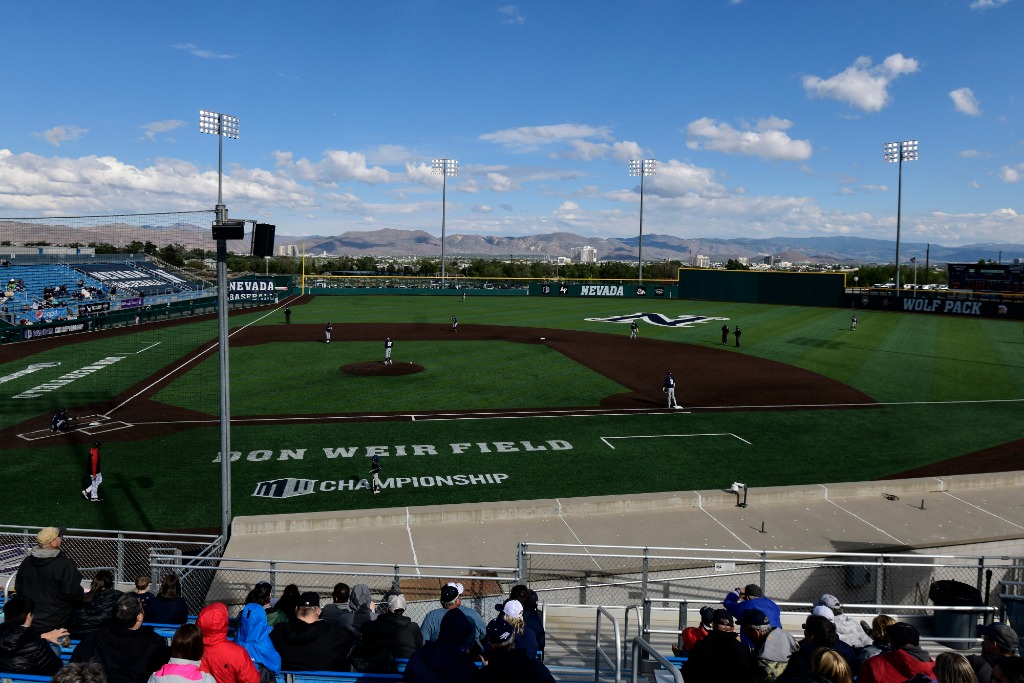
606,439
858,517
196,357
148,347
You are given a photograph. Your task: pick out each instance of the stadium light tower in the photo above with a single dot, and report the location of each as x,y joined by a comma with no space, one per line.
893,152
444,168
222,126
642,168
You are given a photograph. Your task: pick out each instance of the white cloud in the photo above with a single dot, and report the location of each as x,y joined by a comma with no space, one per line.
680,179
965,101
197,51
1011,174
974,154
512,15
531,138
862,85
481,208
336,166
155,127
497,182
987,4
60,134
767,139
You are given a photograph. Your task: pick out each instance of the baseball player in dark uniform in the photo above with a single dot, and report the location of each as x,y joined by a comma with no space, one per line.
375,471
455,324
725,335
327,334
737,334
633,327
387,350
669,387
853,323
92,493
288,316
60,421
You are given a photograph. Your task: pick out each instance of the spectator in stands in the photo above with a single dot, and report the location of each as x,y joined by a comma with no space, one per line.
531,616
80,673
692,634
360,605
227,662
398,632
772,646
309,643
22,649
847,628
254,635
819,631
1008,670
998,641
261,595
451,598
905,660
285,606
828,666
840,645
512,612
51,579
879,641
96,607
186,655
720,656
142,590
506,662
752,596
333,611
167,607
128,651
953,667
449,658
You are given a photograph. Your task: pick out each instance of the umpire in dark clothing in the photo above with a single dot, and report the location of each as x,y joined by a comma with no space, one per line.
719,656
308,643
725,335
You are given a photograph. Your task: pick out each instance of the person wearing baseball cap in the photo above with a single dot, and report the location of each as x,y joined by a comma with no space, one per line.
398,632
719,656
308,643
451,598
848,628
51,579
998,641
449,659
92,492
506,662
772,646
752,596
904,661
692,634
512,612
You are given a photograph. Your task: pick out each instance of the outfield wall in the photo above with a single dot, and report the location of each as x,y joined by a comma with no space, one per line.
763,287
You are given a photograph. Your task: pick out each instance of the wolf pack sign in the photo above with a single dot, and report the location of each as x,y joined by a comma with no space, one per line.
658,319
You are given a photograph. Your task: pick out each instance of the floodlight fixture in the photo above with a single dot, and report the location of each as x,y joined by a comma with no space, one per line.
444,168
898,152
642,168
223,126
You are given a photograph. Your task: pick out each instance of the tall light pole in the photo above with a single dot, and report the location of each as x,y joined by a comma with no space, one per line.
642,168
893,152
444,168
222,126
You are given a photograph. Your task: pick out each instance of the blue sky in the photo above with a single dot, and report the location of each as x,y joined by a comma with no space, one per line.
765,118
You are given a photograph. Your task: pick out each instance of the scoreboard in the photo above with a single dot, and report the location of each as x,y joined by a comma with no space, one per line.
987,277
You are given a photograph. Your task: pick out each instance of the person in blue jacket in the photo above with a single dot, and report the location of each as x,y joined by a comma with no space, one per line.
254,635
750,597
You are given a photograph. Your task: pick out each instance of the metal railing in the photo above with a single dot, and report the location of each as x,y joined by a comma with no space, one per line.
641,646
615,662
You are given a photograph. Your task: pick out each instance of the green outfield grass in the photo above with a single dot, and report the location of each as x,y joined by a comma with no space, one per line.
954,386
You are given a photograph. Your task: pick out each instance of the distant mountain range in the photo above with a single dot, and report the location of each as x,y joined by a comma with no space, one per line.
846,250
389,242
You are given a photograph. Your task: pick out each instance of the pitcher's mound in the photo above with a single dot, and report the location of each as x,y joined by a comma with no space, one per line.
376,368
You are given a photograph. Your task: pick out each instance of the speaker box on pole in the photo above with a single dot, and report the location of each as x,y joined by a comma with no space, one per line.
263,239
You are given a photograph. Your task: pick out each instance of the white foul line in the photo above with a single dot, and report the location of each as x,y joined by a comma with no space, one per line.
412,545
700,504
858,517
606,439
981,509
571,531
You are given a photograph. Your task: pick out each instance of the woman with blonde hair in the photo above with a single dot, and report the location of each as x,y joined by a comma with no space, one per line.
879,641
953,667
830,665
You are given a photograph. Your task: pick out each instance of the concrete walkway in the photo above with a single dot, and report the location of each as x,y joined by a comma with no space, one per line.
851,517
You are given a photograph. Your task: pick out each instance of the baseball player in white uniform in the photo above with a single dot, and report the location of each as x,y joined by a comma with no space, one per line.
387,350
669,387
633,329
327,334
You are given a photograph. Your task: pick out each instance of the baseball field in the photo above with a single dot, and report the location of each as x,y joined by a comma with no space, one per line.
531,398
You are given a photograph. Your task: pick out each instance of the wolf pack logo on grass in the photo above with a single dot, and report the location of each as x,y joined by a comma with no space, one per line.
658,319
284,488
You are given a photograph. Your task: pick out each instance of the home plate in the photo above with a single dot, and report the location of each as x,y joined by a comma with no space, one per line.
543,338
94,424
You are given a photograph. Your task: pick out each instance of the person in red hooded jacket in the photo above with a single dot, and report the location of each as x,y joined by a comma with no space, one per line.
904,661
222,659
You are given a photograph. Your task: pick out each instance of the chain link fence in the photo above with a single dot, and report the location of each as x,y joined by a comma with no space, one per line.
610,575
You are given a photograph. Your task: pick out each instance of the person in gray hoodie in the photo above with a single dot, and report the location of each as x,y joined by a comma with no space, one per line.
360,604
772,647
847,628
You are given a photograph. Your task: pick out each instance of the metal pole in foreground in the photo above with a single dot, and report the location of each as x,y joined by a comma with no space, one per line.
444,168
222,125
642,168
899,152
